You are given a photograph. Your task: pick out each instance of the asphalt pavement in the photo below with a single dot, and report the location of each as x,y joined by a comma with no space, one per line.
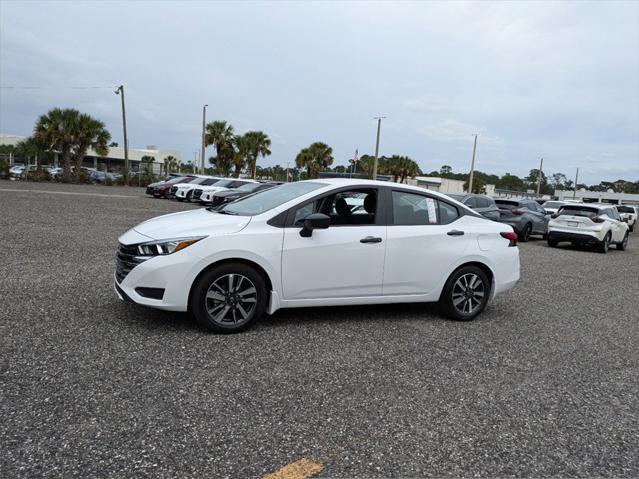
545,383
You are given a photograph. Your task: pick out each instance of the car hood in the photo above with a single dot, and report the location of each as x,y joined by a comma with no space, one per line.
200,222
214,189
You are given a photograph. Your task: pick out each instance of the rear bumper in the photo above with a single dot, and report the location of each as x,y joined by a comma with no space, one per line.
581,238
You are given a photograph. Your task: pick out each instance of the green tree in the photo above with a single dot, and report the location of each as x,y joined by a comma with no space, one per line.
147,164
240,154
170,164
445,171
479,185
315,158
56,130
257,144
510,182
221,135
89,133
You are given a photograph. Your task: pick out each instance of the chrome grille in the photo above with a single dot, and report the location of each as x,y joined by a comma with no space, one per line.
126,260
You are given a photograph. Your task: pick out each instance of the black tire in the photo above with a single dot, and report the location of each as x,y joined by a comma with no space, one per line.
229,303
524,237
624,243
189,196
179,199
552,242
455,289
604,246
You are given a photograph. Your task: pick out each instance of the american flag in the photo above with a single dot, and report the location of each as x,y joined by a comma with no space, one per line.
356,156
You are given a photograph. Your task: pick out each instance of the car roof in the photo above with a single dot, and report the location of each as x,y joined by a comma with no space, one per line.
598,206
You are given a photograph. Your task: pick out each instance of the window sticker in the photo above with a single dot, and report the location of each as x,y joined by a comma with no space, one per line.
432,211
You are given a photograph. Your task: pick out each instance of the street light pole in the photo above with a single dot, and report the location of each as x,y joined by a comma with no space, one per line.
541,166
203,150
472,166
574,193
120,91
379,126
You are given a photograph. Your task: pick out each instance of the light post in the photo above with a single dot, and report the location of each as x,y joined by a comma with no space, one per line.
203,150
379,126
574,193
472,166
120,91
541,166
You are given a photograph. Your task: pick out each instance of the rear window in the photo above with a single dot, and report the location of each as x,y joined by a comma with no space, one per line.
506,203
552,204
625,209
578,211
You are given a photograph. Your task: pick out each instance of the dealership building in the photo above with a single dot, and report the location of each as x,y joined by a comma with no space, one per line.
112,161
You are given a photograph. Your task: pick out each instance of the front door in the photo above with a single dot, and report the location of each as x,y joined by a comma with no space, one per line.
346,259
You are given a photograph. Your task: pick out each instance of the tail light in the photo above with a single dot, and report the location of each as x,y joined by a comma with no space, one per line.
517,211
597,219
511,236
554,215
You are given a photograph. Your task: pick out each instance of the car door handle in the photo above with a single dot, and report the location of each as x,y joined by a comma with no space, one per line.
455,233
371,239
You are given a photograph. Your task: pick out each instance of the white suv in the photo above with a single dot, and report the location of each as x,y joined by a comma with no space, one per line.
184,191
588,224
205,193
628,214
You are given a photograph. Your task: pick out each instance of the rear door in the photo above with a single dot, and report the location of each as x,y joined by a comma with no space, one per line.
425,236
618,226
537,215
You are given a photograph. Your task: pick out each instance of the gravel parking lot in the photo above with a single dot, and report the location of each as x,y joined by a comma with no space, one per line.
544,383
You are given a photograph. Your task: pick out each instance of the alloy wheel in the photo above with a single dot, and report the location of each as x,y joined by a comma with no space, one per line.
468,293
231,299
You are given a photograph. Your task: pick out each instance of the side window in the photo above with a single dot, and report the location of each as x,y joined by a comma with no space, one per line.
472,202
346,208
415,209
482,202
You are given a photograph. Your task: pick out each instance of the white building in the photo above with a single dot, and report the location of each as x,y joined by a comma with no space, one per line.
113,161
598,196
443,185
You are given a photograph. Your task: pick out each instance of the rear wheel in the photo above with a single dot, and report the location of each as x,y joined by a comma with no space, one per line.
525,234
552,242
228,298
604,246
624,243
465,294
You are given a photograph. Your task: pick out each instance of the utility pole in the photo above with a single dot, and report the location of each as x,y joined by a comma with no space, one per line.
203,150
574,193
379,126
120,91
288,163
541,165
472,167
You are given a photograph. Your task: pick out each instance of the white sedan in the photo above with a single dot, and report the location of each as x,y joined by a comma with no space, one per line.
205,193
184,191
588,224
310,244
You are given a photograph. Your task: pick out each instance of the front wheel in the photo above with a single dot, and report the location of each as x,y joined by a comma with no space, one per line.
624,243
189,196
465,294
228,298
552,242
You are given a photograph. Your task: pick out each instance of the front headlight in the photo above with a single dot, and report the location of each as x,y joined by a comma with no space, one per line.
163,247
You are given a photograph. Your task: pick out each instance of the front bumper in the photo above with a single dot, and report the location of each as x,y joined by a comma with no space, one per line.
206,197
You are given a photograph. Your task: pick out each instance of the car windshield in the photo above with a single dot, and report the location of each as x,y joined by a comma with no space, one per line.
177,179
270,198
552,204
625,209
198,181
578,211
224,182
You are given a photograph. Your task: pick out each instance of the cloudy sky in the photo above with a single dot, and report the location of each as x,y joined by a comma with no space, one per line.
547,79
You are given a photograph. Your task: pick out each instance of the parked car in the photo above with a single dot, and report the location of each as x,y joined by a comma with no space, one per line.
527,217
222,197
297,246
16,170
184,191
588,224
628,214
55,171
170,176
484,205
163,190
551,206
204,194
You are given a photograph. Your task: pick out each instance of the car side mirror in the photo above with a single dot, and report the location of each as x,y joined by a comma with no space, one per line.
315,221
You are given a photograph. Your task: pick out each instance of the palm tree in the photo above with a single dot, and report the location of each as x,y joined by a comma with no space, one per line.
221,135
240,153
315,158
89,133
170,164
258,144
147,161
56,130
